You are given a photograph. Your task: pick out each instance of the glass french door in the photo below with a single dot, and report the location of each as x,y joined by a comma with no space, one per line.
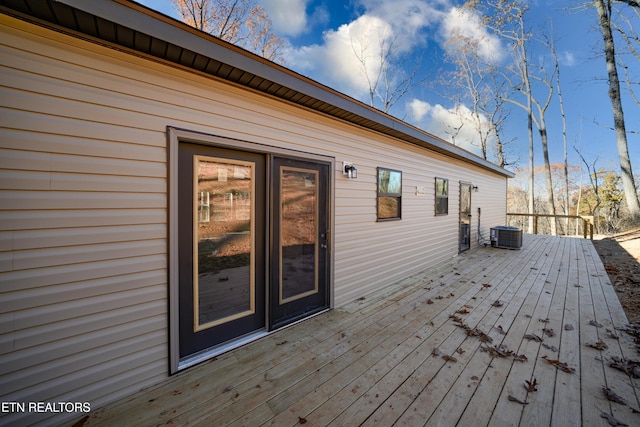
221,243
300,239
465,217
252,250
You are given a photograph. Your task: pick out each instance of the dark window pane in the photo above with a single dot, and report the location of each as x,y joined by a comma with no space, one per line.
442,206
388,207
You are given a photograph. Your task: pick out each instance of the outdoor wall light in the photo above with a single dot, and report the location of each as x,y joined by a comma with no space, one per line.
349,170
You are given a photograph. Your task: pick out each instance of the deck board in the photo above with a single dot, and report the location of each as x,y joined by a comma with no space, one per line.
371,362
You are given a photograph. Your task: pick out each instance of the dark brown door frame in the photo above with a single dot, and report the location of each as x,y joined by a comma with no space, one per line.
175,136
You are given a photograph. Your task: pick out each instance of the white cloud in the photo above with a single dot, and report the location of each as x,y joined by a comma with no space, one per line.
408,18
418,109
337,59
567,58
463,26
289,17
455,125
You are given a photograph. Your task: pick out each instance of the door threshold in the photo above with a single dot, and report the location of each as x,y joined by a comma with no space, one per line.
209,353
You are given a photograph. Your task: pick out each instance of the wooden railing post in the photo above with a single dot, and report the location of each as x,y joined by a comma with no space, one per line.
585,220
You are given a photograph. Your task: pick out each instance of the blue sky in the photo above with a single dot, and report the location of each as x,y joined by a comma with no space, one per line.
320,35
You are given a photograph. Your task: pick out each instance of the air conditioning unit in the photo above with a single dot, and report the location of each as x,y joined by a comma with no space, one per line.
506,237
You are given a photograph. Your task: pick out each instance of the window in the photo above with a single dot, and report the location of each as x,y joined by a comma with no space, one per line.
442,196
389,194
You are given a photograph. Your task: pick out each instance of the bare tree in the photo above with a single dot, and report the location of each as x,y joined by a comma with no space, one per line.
241,22
475,78
384,71
603,8
506,19
552,48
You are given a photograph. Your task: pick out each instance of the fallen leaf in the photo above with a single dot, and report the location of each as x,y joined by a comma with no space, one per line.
549,332
486,285
559,365
531,386
612,396
612,420
612,335
568,327
449,358
455,318
600,345
468,306
429,301
544,320
515,399
629,367
302,420
497,303
520,358
459,350
463,311
501,329
533,337
550,347
497,351
594,323
282,342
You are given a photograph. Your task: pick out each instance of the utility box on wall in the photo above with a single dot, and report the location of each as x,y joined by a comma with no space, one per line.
504,236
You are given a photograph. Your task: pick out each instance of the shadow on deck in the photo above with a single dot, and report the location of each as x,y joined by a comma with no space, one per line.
453,345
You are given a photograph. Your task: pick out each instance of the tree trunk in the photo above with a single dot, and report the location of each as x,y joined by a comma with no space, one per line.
626,172
547,172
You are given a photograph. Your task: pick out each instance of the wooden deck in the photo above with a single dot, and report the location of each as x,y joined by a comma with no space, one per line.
382,360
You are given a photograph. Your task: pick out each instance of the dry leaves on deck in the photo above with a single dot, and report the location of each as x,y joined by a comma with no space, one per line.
531,386
600,345
549,332
612,396
515,399
502,351
629,367
612,420
533,337
559,365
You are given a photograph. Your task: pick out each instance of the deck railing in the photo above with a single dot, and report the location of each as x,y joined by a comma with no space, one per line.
587,221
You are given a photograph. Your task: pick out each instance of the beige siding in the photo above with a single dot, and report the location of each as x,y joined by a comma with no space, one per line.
83,212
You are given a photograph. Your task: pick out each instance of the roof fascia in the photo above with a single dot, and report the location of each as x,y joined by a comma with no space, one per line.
140,18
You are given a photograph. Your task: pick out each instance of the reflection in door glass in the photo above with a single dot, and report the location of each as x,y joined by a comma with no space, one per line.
223,276
299,231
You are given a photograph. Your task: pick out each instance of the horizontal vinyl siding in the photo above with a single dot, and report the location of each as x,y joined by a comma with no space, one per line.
83,219
83,235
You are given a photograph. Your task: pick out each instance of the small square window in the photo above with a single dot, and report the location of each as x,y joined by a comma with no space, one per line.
389,194
442,196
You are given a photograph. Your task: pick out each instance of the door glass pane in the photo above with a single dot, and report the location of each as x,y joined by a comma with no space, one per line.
224,232
299,233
